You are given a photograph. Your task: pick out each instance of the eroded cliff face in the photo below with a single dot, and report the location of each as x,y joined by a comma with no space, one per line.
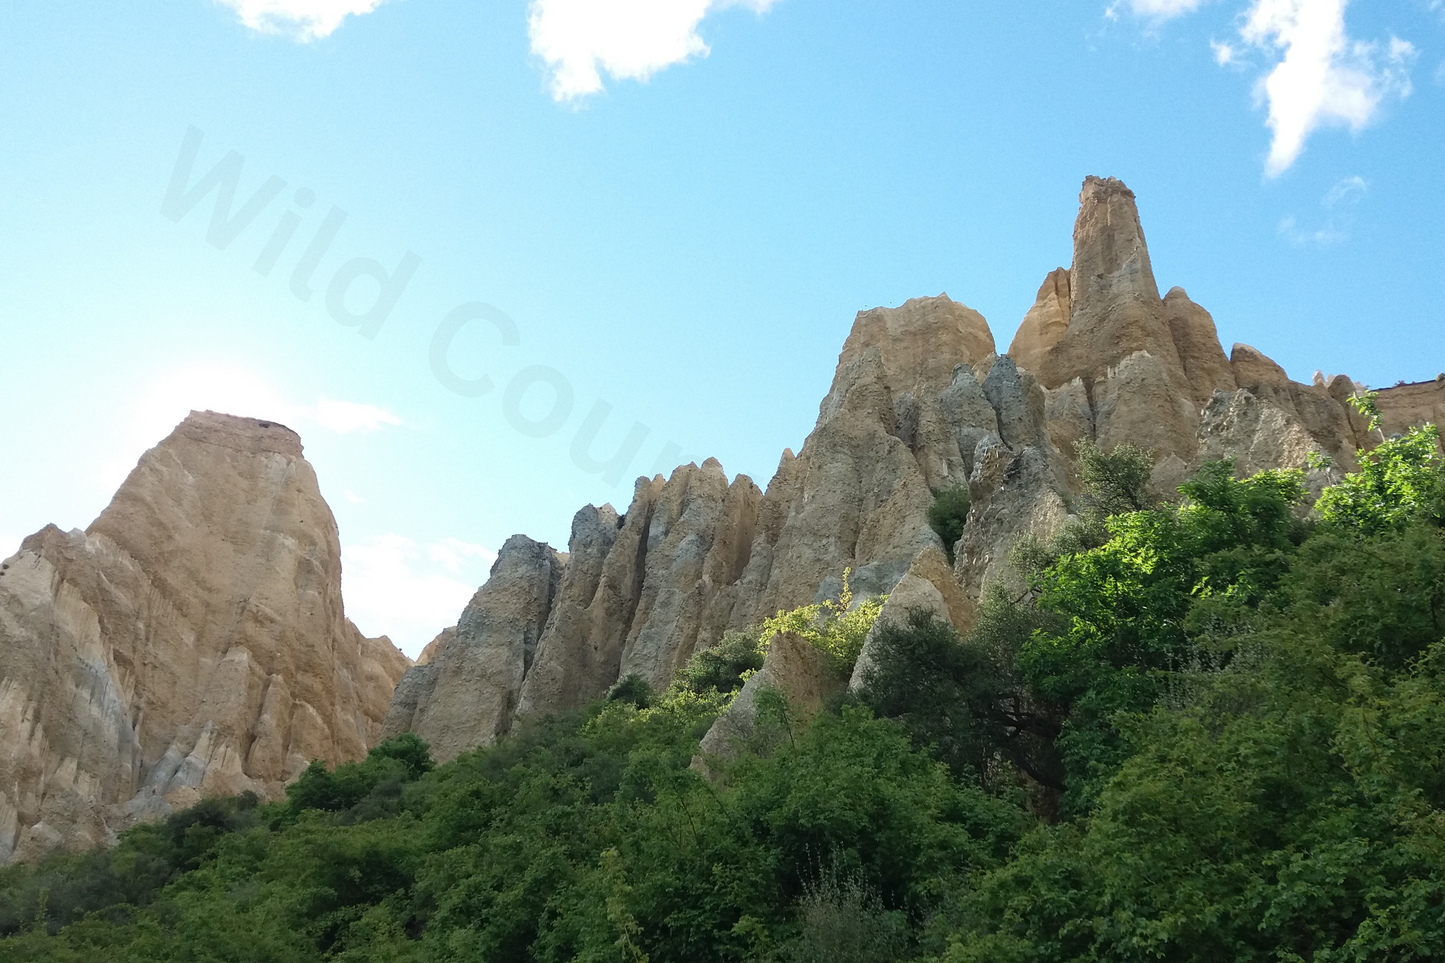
920,402
191,642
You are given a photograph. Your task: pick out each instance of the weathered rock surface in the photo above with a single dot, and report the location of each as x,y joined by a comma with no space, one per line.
468,694
191,642
928,586
1412,405
919,403
796,671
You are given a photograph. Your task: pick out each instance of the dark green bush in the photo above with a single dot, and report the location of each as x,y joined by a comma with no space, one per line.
948,514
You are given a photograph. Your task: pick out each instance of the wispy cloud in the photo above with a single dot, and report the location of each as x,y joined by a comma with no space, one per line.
1317,75
453,554
1347,190
300,19
229,389
1323,77
410,592
1157,9
345,417
579,40
1338,202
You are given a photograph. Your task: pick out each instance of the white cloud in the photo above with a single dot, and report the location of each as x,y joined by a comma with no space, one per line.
1163,9
229,389
1323,77
628,39
393,586
453,554
1341,198
1223,53
353,498
345,417
301,19
1347,190
1289,228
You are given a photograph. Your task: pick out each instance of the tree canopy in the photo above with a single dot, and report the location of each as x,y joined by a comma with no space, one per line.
1210,730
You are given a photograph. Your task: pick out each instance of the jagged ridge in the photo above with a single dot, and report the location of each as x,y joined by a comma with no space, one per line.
919,402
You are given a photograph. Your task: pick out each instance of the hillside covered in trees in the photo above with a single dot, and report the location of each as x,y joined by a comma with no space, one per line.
1213,728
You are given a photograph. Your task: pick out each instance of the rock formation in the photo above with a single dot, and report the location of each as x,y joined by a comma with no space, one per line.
190,642
919,403
792,668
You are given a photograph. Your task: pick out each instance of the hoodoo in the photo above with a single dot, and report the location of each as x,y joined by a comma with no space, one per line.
919,403
190,642
193,642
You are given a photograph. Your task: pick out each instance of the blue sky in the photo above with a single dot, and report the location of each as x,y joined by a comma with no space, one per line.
664,212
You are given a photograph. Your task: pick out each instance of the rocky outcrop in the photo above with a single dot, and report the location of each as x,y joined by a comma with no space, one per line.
1411,405
928,587
920,403
467,695
190,642
792,668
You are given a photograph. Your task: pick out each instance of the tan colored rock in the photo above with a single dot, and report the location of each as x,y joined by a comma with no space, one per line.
929,586
435,646
1119,342
1014,495
1258,433
1115,308
1069,419
796,671
1257,373
1412,405
919,403
565,673
1139,402
968,412
191,642
1045,324
682,572
1197,340
468,695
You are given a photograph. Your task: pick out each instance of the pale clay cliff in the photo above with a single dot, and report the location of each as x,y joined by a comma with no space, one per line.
920,402
190,642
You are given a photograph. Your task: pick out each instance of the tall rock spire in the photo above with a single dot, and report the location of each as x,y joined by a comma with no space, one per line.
191,642
1111,259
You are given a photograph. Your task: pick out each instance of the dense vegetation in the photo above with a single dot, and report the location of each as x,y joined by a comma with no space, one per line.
947,515
1212,730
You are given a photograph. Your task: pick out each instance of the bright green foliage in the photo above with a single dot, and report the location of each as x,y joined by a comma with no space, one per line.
835,626
1215,733
362,790
1126,607
68,887
948,514
723,667
1117,481
1400,480
583,838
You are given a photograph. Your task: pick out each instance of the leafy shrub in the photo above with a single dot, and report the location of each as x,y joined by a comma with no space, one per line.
370,788
948,514
842,920
632,689
1117,481
836,627
724,667
1402,479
